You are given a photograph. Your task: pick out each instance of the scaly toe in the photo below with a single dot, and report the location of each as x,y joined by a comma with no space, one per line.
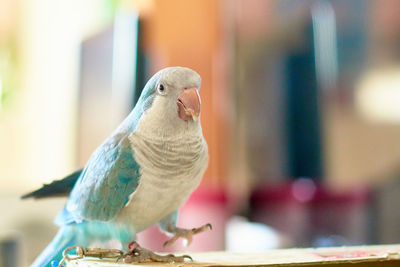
138,254
202,228
153,257
171,241
172,258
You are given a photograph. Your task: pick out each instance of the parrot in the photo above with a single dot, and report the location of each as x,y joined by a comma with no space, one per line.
140,175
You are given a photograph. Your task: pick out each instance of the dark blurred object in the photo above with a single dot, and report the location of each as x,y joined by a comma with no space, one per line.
340,218
303,111
9,251
311,214
285,208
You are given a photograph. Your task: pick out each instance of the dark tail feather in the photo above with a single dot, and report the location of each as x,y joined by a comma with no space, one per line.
56,188
53,252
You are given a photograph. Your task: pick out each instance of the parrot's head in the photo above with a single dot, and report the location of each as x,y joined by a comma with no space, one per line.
172,97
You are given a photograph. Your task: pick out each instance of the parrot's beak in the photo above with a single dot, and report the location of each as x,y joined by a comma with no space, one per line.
189,104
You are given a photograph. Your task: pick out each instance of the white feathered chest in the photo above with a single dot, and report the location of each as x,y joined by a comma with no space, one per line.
171,168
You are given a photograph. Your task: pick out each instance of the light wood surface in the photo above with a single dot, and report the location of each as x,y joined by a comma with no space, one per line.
375,255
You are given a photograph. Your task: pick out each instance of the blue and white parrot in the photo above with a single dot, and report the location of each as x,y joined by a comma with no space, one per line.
140,175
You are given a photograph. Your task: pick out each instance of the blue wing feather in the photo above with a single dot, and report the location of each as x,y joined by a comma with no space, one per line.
110,177
56,188
111,174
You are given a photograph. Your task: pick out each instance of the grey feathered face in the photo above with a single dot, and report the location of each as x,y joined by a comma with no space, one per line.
177,89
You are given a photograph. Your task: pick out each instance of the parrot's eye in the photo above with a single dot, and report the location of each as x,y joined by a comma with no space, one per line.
161,88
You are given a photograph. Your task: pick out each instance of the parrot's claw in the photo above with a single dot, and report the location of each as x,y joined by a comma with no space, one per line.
138,254
186,234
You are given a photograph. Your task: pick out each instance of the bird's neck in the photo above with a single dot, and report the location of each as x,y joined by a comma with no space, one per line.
168,128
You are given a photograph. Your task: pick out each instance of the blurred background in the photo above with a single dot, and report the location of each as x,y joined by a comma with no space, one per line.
301,112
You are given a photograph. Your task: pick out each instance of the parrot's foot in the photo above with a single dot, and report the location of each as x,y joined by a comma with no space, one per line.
138,254
186,234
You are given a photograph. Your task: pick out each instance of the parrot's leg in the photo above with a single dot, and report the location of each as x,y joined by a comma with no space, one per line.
185,233
138,254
